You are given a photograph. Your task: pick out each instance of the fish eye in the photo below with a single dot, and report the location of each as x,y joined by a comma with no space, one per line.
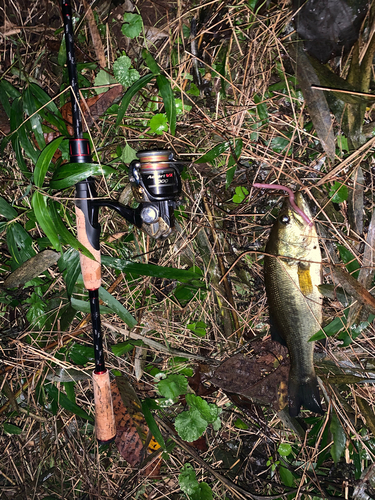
284,219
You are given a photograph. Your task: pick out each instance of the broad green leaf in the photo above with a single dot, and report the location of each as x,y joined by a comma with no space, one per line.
69,389
7,93
150,61
159,123
128,154
351,263
36,312
168,100
63,400
117,307
130,93
181,107
30,107
190,425
69,264
50,111
132,26
44,161
232,163
173,386
65,235
124,347
125,75
286,476
84,306
152,425
284,449
103,78
171,273
208,412
81,354
42,214
19,244
204,492
187,480
241,193
70,173
331,329
339,438
7,210
12,429
240,424
338,192
214,153
279,144
16,124
198,328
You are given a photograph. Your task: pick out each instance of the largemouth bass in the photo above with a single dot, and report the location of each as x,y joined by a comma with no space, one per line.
292,274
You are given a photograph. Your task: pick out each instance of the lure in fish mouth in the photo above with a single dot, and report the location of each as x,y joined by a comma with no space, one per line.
292,273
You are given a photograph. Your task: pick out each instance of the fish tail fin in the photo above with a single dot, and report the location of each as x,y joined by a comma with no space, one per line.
304,392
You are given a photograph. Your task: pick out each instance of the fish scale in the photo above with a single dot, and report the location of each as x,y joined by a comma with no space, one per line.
292,272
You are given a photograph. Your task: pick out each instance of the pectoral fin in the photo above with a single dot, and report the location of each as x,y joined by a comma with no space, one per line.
275,334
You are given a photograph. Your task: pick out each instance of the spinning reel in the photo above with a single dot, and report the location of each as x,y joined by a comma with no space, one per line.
155,179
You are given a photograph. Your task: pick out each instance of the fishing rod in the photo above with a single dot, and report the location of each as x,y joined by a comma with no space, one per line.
156,184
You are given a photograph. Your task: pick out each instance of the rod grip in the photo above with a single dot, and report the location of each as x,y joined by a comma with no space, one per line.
105,425
91,271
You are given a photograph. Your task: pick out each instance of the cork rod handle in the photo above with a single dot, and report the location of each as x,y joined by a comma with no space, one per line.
105,426
91,271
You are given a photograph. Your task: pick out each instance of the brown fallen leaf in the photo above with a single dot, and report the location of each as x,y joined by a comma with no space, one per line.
261,377
132,433
32,268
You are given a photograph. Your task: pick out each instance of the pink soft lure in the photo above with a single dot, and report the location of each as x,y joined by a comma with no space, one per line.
291,199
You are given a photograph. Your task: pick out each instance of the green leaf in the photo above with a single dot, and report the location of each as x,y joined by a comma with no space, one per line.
124,347
117,307
208,412
30,107
36,313
69,264
181,107
351,263
198,328
7,210
128,154
158,123
12,429
19,244
123,73
190,425
171,273
150,61
173,386
331,329
69,174
16,124
81,354
211,155
279,144
41,210
103,78
240,424
132,26
84,306
204,492
338,192
65,235
193,90
168,100
233,161
241,193
339,438
152,425
65,402
187,480
44,161
130,93
69,389
284,449
286,476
